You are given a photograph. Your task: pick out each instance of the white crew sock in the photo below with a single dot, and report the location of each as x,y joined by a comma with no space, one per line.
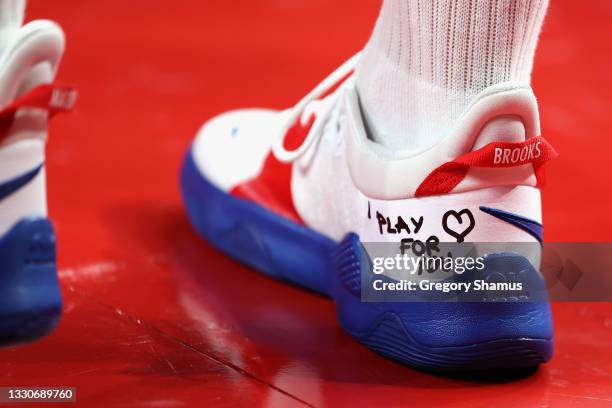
11,19
427,60
11,13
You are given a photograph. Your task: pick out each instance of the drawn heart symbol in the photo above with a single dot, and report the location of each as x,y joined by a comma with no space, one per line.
459,217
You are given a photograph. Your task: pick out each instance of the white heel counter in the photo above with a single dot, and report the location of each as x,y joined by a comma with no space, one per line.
474,216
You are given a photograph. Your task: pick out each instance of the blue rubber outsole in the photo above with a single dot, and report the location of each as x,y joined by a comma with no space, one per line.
429,335
30,297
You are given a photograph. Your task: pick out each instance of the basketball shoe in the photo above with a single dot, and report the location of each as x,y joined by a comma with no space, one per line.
30,299
296,193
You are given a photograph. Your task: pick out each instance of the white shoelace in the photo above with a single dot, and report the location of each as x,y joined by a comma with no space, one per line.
309,105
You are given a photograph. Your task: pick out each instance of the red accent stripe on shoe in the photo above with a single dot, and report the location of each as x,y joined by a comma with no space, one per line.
51,98
444,179
272,187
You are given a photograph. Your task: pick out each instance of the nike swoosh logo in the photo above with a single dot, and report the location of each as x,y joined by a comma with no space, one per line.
531,227
9,187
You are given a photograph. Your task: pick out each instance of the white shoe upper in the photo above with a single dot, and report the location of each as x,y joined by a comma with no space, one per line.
232,147
29,57
342,182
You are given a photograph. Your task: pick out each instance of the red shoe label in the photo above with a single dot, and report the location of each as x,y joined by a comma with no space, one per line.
51,98
518,155
63,99
444,179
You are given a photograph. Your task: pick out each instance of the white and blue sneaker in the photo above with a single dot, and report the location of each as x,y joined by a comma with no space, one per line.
30,299
295,193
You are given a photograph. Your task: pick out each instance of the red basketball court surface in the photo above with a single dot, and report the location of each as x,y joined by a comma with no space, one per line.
153,316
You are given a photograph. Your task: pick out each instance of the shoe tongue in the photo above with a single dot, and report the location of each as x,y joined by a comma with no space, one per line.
501,129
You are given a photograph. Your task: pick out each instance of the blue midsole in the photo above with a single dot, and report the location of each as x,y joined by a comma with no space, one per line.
30,296
271,244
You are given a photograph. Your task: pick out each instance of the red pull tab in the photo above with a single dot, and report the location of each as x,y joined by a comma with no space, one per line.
52,98
444,179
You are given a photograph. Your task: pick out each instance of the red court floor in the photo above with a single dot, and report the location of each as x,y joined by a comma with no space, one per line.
155,317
